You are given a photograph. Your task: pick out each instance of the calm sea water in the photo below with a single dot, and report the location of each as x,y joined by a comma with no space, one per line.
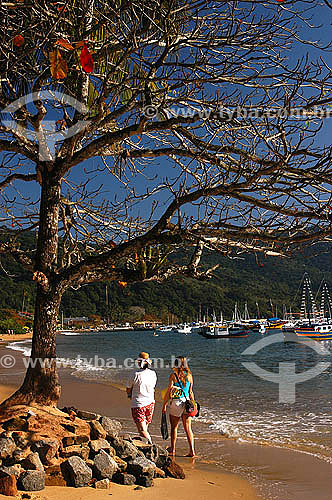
234,402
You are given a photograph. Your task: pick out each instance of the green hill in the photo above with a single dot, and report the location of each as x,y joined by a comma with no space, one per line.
248,279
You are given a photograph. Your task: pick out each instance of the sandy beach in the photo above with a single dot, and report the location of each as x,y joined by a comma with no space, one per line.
203,480
250,470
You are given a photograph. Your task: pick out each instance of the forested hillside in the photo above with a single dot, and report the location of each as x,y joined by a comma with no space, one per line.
252,279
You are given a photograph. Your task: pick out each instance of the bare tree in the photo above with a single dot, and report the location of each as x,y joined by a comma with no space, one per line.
148,154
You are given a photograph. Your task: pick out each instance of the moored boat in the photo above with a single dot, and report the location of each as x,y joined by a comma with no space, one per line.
316,332
184,329
218,332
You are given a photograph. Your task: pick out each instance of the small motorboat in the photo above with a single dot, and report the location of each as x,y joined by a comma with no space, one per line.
184,329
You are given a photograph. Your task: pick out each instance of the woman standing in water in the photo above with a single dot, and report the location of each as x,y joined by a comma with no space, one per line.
179,389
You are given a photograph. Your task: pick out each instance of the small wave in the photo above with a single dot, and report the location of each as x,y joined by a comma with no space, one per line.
71,334
21,347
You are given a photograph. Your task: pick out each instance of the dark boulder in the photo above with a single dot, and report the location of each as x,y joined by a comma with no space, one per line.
7,447
32,462
46,449
104,465
145,481
124,478
32,480
124,449
76,472
141,467
112,427
174,470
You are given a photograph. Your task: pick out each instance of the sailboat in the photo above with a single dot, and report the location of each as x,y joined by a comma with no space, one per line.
317,327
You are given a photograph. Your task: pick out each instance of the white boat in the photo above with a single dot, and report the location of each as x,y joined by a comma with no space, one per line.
165,329
184,329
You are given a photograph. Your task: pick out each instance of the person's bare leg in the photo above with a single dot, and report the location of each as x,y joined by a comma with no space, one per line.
174,432
142,428
189,433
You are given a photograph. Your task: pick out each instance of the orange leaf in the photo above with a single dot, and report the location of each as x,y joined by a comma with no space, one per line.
79,44
18,40
123,284
59,67
65,44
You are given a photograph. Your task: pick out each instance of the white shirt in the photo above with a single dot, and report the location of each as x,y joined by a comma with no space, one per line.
143,383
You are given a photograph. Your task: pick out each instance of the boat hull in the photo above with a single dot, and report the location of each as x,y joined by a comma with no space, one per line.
311,334
224,333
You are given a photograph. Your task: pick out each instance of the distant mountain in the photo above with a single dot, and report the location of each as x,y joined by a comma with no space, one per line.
251,279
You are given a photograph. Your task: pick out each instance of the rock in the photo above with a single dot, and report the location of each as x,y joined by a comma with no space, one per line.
124,449
8,486
81,439
15,424
174,470
121,463
7,447
54,476
112,427
76,450
145,481
47,450
20,439
104,465
32,480
138,488
127,437
99,444
32,462
34,424
156,454
71,440
141,467
103,484
76,472
69,427
159,473
20,455
87,415
69,410
124,478
144,447
97,430
68,441
10,471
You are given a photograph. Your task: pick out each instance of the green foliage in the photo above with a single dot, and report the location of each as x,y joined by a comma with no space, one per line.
249,279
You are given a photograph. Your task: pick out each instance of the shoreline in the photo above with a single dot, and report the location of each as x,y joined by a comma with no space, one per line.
274,472
203,478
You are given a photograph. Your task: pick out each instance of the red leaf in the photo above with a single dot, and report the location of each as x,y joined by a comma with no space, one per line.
86,59
18,40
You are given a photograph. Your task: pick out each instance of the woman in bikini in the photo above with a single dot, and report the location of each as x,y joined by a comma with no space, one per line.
177,396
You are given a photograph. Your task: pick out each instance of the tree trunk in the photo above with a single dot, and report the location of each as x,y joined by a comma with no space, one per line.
41,384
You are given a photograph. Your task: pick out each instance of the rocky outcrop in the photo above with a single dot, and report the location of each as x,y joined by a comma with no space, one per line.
81,449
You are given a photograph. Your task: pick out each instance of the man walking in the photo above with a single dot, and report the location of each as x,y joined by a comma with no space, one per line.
140,389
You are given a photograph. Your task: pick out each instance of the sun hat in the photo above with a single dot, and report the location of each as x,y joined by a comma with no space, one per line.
144,356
